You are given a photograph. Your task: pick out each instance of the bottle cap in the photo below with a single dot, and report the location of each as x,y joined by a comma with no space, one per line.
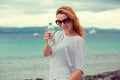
50,23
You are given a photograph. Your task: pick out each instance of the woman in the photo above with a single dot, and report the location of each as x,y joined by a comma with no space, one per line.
67,54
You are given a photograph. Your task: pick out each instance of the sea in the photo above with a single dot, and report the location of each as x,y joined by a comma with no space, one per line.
21,55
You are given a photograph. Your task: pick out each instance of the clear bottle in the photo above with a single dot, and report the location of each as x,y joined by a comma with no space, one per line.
51,30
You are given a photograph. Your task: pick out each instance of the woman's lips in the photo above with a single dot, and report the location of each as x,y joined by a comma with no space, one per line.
64,28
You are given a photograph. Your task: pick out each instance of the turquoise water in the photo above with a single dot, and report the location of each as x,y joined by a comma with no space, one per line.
102,53
21,55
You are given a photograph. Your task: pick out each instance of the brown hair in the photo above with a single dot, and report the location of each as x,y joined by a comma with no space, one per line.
71,14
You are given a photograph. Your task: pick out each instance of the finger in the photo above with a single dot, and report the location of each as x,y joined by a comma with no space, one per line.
46,38
47,34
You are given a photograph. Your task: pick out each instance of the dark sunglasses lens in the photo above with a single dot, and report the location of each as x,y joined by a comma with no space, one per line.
58,22
67,20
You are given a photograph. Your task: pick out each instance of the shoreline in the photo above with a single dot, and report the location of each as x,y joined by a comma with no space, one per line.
109,75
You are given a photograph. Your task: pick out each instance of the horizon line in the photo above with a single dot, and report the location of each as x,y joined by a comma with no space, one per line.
55,26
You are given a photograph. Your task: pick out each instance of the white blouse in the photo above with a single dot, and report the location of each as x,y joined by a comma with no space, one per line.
68,54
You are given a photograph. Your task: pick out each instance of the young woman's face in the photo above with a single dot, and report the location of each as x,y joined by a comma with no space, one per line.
64,22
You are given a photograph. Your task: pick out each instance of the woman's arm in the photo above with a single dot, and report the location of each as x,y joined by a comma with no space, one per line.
46,50
76,75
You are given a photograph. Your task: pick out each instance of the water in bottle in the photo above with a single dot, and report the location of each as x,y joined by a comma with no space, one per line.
51,29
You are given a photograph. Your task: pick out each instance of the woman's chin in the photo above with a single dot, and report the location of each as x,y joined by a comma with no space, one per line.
64,30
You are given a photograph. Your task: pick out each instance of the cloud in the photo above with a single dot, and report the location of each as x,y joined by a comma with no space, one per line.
99,13
45,6
26,6
27,20
104,19
96,5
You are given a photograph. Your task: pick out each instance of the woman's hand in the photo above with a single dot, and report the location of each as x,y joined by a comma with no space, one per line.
46,35
47,50
76,75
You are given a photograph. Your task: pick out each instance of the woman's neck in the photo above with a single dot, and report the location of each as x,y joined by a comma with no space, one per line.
71,33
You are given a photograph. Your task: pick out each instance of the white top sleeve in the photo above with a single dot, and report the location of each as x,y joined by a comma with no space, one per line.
79,54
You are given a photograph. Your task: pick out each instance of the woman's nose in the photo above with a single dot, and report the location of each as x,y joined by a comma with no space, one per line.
63,24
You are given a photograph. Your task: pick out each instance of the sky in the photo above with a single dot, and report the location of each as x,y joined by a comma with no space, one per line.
91,13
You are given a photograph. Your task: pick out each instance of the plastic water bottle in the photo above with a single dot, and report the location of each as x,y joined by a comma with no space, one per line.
51,29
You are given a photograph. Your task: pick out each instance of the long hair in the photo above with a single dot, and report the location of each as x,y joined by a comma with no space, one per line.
71,14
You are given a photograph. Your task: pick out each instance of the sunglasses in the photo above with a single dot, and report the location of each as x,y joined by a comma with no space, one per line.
65,21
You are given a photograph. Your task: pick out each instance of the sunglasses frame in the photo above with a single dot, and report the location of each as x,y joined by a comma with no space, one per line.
65,21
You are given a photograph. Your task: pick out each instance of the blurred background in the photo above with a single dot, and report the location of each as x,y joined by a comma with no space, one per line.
22,25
